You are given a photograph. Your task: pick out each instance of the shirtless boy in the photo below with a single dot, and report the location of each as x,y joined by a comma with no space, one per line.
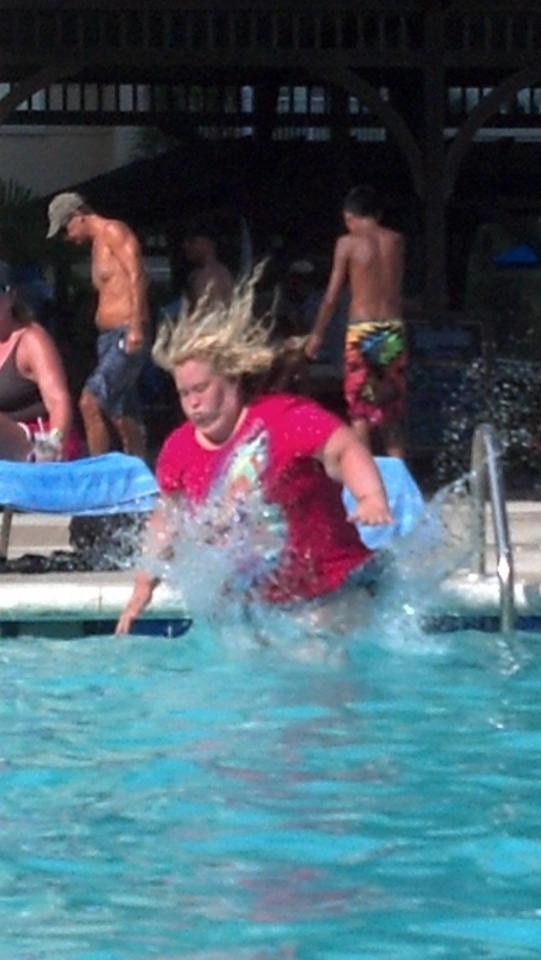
371,258
110,393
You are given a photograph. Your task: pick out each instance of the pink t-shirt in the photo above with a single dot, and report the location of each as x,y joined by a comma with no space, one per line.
272,457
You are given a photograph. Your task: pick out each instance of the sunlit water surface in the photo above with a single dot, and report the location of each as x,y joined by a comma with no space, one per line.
372,796
176,798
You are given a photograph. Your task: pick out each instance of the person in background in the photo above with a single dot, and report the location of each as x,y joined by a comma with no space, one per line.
305,290
35,406
109,395
272,463
209,277
370,257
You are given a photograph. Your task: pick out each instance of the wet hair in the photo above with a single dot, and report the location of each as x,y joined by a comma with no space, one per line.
362,201
227,336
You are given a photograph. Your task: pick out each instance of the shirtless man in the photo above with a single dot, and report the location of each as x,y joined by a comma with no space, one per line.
110,393
210,277
371,258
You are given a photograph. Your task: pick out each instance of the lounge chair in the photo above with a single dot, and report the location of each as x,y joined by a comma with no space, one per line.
111,484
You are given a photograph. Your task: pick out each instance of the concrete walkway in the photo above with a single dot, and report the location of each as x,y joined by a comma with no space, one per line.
65,596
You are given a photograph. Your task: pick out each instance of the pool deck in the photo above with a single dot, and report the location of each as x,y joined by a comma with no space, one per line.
80,597
64,602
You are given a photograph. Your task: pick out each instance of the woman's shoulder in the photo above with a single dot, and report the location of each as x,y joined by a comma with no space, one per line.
278,399
281,403
181,436
32,331
34,342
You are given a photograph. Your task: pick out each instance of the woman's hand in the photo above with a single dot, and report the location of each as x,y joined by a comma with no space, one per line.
47,446
141,596
371,510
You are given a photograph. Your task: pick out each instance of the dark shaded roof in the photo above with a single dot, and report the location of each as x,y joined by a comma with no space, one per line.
154,189
281,181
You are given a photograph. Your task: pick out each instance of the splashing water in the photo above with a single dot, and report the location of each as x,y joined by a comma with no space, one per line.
508,394
417,564
219,553
218,557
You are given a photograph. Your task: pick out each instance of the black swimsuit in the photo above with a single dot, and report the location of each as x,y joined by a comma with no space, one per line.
20,398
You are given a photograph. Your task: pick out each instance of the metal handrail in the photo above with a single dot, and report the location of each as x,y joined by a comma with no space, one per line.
486,476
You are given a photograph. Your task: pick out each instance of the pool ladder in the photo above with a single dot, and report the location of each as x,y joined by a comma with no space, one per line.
486,477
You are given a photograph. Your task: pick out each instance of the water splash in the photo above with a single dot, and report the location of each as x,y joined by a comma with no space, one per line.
218,553
219,556
417,565
505,392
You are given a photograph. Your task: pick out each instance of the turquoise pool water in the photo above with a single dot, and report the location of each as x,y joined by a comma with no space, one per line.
176,799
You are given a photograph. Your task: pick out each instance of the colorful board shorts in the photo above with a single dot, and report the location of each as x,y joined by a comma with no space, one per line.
374,370
114,381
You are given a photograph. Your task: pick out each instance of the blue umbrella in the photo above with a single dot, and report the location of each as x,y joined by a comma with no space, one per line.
521,256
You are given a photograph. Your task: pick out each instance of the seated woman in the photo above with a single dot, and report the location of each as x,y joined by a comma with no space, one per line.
35,406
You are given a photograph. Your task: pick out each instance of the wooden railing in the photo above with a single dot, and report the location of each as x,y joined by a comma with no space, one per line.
391,28
209,27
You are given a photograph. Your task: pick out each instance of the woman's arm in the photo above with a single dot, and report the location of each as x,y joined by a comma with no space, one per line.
346,460
157,546
39,360
142,593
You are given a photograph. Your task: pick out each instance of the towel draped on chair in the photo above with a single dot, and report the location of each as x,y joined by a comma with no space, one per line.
111,483
117,483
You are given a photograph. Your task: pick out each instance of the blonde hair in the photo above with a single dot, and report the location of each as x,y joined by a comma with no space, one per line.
226,335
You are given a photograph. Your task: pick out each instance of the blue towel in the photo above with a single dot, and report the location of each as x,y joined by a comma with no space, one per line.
405,502
117,483
112,483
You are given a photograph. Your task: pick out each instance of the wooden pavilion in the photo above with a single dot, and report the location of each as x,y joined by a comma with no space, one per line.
397,91
280,105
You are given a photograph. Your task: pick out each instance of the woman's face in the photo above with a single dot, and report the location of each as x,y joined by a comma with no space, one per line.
210,401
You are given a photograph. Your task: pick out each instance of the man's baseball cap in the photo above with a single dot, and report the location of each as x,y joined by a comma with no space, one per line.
61,208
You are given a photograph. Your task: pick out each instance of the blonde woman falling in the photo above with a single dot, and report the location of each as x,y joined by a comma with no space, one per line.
278,456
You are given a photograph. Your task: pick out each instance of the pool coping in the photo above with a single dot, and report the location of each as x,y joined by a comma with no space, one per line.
95,596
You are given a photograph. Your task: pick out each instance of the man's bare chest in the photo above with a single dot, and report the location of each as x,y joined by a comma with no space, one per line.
105,267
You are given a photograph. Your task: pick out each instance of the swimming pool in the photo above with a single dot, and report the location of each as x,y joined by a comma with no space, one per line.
182,798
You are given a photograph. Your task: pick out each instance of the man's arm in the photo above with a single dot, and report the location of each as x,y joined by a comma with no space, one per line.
125,248
327,306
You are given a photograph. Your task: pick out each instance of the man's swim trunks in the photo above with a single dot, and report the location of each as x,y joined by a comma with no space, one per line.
374,370
114,381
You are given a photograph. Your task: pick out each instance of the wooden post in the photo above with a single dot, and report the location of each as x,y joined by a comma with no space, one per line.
435,295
